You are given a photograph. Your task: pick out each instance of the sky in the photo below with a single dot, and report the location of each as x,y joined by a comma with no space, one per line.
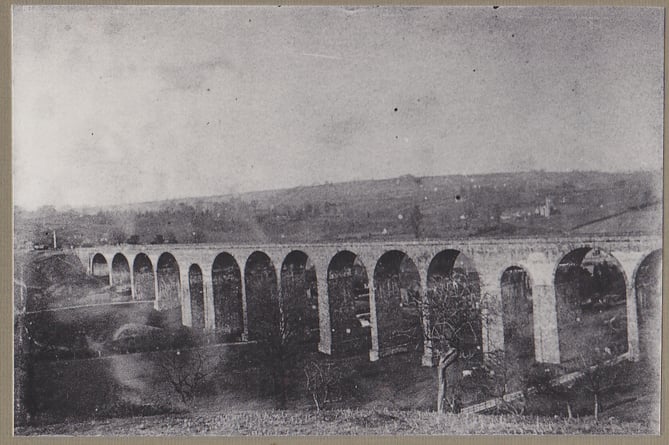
116,104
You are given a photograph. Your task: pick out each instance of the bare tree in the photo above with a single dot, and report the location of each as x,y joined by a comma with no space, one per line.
283,341
324,381
600,379
454,312
186,371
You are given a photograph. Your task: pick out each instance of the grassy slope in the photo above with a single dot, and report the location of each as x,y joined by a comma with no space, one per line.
58,279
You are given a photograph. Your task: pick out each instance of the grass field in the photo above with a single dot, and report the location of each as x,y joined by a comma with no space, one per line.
336,422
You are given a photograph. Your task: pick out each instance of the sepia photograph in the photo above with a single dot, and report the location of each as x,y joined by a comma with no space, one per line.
336,220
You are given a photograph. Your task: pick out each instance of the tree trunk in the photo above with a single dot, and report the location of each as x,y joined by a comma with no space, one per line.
441,395
596,407
446,359
279,387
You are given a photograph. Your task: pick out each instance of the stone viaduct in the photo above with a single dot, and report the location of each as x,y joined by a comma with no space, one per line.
538,258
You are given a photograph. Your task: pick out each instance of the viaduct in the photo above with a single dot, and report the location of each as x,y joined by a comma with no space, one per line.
225,287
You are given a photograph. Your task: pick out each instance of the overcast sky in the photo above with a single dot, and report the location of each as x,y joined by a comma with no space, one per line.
127,104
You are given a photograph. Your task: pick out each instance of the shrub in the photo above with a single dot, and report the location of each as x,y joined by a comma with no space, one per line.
187,372
326,381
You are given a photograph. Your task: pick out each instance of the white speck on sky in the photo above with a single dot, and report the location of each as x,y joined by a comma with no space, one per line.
120,104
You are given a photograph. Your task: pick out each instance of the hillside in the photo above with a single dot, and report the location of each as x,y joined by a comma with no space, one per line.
407,207
55,279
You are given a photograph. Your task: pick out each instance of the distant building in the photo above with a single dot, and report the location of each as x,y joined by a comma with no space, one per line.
516,213
545,209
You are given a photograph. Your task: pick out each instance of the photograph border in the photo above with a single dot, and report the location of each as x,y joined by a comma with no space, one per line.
6,257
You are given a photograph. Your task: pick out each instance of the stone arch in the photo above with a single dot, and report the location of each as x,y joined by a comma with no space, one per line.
144,278
100,268
196,291
397,290
299,295
227,291
648,294
526,268
590,295
262,300
452,269
120,275
169,288
518,321
348,296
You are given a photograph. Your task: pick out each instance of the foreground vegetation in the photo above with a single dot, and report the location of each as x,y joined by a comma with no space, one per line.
336,422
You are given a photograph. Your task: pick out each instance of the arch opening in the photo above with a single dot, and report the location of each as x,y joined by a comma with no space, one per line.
299,297
169,286
590,293
145,286
453,297
348,292
397,290
196,289
121,276
261,296
100,268
228,306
